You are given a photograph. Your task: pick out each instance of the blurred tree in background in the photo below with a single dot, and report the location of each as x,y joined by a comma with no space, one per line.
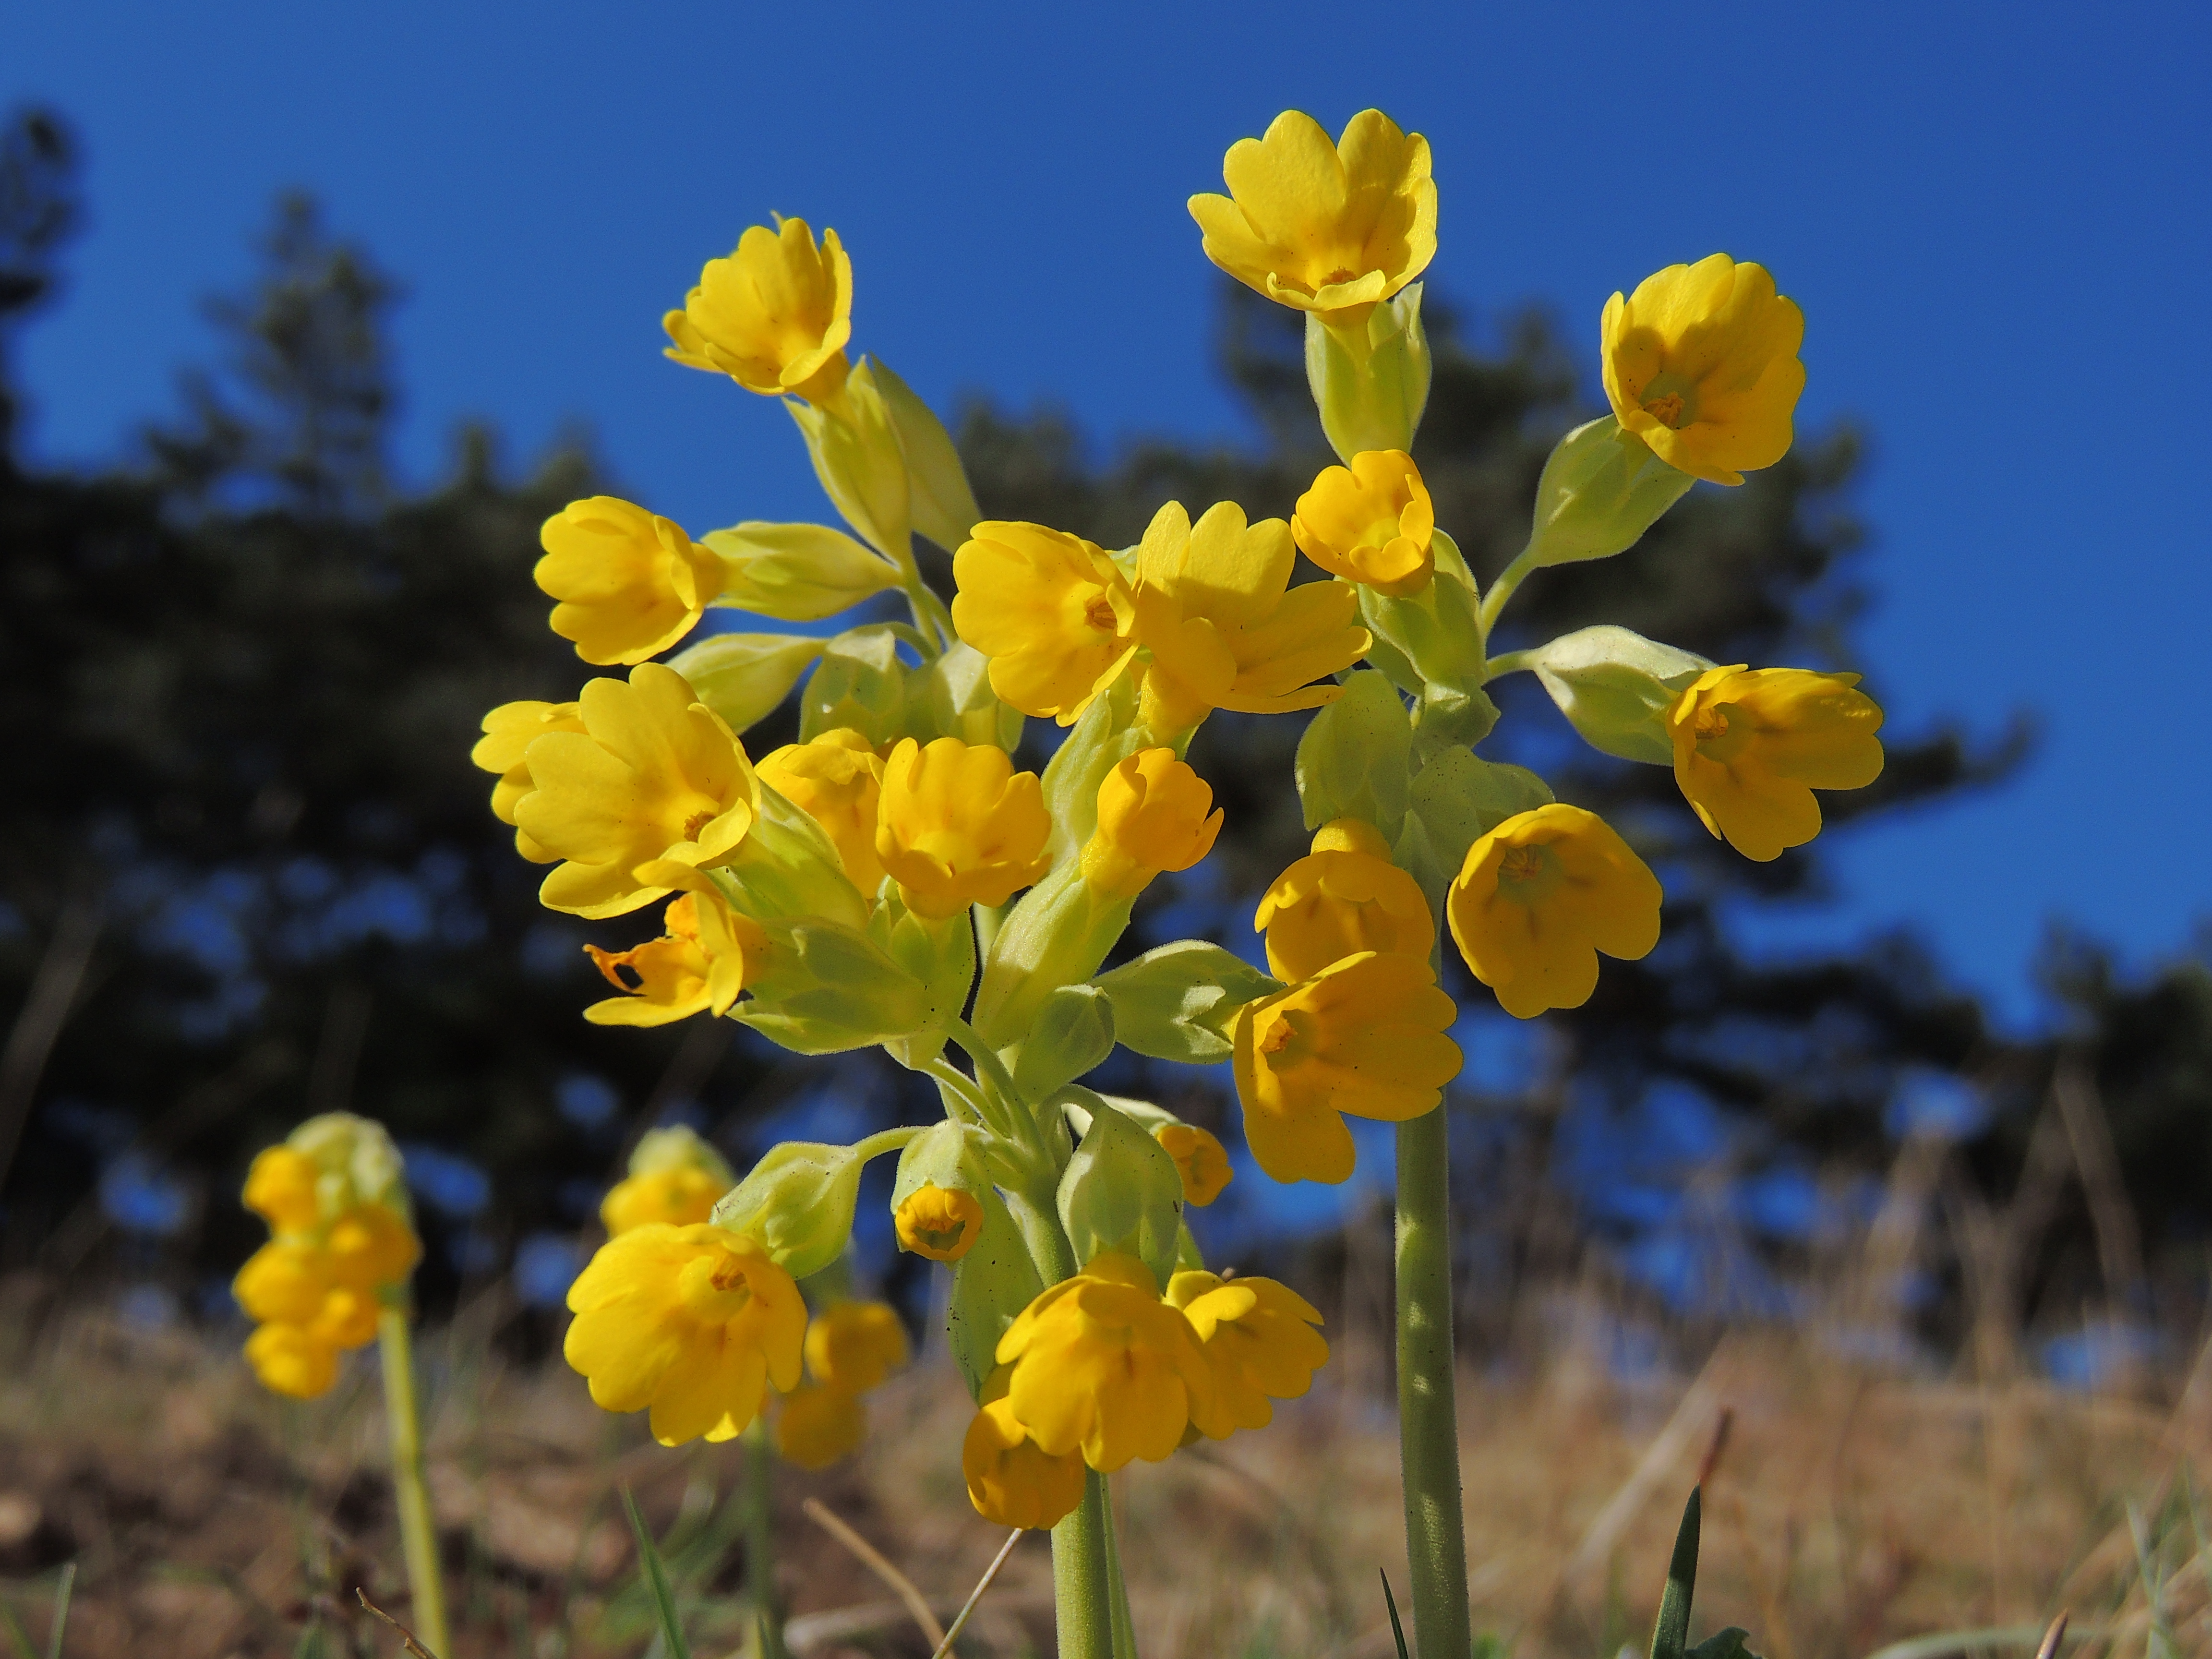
246,872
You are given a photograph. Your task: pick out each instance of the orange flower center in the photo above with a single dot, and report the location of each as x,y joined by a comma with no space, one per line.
1098,611
697,821
1666,410
1522,863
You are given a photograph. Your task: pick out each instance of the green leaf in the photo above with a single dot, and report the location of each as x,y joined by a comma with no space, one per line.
1670,1637
1397,1630
63,1588
1356,756
656,1582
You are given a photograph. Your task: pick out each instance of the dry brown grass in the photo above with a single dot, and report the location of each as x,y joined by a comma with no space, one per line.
1854,1507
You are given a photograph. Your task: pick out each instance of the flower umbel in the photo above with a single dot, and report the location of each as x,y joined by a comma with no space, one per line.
774,316
1152,815
1752,745
1343,898
1049,609
630,583
1371,522
1539,897
1701,363
957,825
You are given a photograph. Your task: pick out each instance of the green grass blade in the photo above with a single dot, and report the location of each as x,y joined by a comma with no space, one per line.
16,1633
62,1590
656,1580
1670,1637
1396,1629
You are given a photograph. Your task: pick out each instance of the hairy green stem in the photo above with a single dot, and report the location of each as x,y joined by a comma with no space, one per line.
418,1533
1493,602
760,1539
1510,662
1428,1424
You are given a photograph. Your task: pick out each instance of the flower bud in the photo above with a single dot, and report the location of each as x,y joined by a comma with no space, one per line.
1369,376
1457,797
1356,756
854,445
951,696
859,687
1072,1033
1343,898
944,504
1122,1193
1371,523
1616,687
674,1176
1152,815
1601,490
741,677
796,572
825,988
354,1160
797,1203
992,1282
1178,1001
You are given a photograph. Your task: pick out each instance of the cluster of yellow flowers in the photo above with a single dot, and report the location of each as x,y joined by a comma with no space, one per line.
892,878
340,1243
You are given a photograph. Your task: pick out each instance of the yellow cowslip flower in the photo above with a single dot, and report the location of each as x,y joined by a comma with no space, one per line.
817,1426
1224,628
1051,611
371,1246
774,316
694,1323
941,1223
1371,523
699,965
1102,1365
291,1361
1539,897
681,1196
1343,898
1152,817
1701,363
1365,1035
1200,1159
956,825
837,781
1011,1480
629,583
1258,1337
655,774
282,1189
508,730
283,1283
854,1345
1324,228
1752,745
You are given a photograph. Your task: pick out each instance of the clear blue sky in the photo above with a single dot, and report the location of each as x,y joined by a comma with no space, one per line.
1995,219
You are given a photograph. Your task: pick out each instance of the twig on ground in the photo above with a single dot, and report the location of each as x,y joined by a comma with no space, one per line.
873,1560
406,1636
960,1619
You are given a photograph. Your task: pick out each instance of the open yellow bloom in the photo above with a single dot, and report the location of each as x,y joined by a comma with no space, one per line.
1226,629
1200,1158
1258,1337
1701,363
508,732
694,1323
707,957
1343,898
1011,1480
1152,817
838,781
1325,228
1102,1366
941,1223
291,1361
958,826
1537,899
774,316
1365,1035
681,1196
818,1426
282,1189
1049,609
854,1345
1752,745
655,774
1371,522
630,583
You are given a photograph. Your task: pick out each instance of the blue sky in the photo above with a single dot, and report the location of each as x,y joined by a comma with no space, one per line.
1992,226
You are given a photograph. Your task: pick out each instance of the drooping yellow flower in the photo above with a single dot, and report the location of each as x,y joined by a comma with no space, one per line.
370,1246
957,825
629,583
1325,228
1102,1366
1701,363
1257,1335
694,1323
282,1189
1224,628
817,1426
1051,611
699,965
1366,1036
290,1361
1011,1480
854,1345
1343,898
654,774
508,732
1152,815
681,1196
1752,745
1537,899
941,1223
837,781
1372,522
283,1283
1200,1158
774,316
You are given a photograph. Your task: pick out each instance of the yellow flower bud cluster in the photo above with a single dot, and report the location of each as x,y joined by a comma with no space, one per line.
336,1246
851,1347
674,1176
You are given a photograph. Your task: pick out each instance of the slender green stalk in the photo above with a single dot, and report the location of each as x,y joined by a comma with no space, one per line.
418,1533
1428,1424
1082,1574
1511,577
760,1539
1510,662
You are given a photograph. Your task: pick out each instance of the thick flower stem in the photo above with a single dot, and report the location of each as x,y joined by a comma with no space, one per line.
1082,1591
1428,1425
418,1533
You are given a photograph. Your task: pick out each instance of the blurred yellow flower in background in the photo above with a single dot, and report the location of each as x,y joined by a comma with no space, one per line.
957,825
1152,815
816,1426
1752,745
1343,898
282,1189
1701,363
775,315
630,583
1540,896
837,781
854,1345
1051,611
1325,228
1371,522
289,1361
675,1176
